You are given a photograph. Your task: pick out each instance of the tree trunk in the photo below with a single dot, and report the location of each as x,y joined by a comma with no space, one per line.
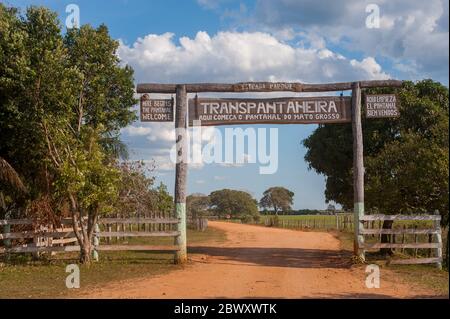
85,252
386,238
83,230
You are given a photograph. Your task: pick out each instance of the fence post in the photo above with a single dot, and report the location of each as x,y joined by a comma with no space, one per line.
7,242
96,242
415,241
403,239
437,225
7,230
109,231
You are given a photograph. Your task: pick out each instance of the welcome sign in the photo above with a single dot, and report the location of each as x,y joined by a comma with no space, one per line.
156,110
304,110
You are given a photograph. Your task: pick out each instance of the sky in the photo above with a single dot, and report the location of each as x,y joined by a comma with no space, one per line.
183,41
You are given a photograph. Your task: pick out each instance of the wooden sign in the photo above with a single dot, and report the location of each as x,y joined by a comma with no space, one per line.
156,110
382,105
304,110
266,87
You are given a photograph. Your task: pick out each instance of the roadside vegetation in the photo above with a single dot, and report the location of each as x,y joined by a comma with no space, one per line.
26,277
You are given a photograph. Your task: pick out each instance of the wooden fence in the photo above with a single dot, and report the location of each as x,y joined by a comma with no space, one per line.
397,237
199,223
62,239
341,222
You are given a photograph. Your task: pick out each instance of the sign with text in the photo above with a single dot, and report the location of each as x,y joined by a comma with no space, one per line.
265,86
156,110
304,110
382,105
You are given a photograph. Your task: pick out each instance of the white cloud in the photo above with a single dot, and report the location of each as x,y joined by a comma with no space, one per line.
236,56
412,32
136,130
246,157
219,178
370,67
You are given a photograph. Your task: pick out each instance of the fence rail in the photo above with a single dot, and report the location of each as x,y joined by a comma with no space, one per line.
433,233
53,240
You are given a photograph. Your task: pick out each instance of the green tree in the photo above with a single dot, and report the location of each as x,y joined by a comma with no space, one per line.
237,204
164,200
63,102
278,198
136,195
197,205
406,158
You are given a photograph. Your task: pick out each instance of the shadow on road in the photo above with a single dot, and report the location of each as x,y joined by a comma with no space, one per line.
279,257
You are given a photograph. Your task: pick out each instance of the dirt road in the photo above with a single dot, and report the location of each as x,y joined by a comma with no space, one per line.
263,262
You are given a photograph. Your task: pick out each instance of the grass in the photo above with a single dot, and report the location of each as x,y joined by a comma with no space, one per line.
24,278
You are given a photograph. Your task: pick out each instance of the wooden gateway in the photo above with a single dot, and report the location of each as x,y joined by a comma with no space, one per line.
328,109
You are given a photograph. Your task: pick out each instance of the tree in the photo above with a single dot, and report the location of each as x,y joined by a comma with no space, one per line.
11,183
197,204
237,204
135,189
278,198
63,102
164,201
406,158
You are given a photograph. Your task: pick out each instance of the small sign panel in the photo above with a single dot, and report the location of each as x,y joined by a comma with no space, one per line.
304,110
156,110
382,105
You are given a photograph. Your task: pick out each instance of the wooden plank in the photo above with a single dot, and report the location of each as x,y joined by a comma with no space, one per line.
397,231
138,220
16,222
65,241
292,110
156,110
31,249
262,87
32,234
407,245
139,234
400,217
382,106
170,248
415,261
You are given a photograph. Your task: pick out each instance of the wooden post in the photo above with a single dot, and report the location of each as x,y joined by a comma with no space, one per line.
109,228
96,242
6,230
181,172
358,170
415,242
403,239
437,225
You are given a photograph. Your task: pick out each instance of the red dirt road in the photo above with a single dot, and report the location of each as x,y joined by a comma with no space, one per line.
261,262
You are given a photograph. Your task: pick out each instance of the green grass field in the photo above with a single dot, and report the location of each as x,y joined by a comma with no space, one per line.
24,278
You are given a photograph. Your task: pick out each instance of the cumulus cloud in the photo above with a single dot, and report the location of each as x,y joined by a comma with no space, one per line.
413,34
246,158
238,56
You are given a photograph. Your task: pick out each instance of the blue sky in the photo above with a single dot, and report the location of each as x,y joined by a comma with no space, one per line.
286,40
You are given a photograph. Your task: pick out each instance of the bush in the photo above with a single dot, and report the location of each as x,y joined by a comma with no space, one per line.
247,219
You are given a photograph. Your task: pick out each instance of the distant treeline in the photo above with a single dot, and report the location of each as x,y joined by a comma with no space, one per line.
302,212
